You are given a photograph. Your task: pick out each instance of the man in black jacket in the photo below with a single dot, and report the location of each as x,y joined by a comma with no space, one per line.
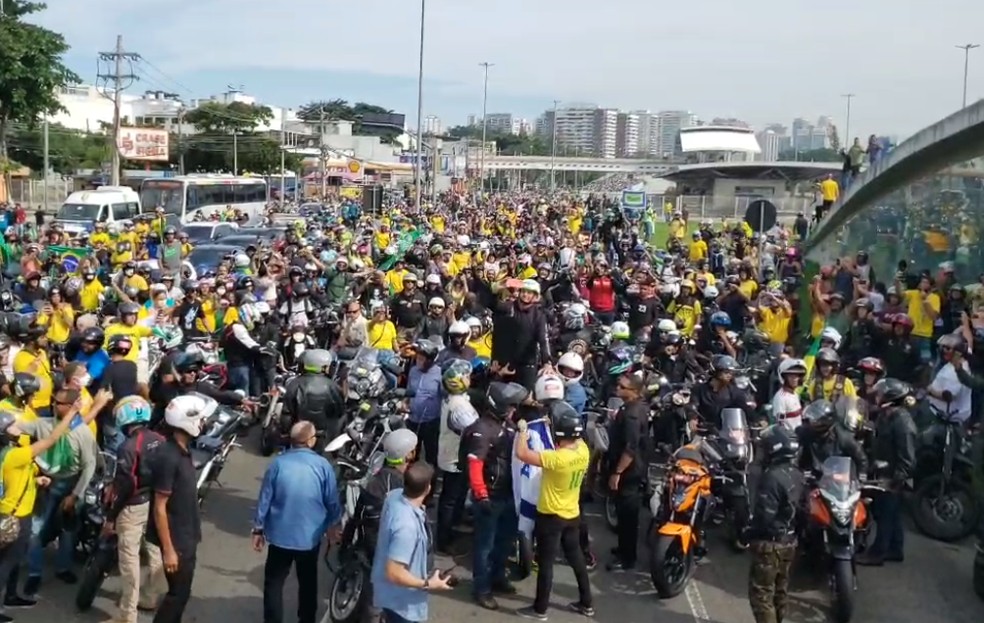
627,466
829,434
519,335
184,380
720,391
314,397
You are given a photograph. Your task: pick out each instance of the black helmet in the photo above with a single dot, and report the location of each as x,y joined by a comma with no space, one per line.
120,344
821,414
27,330
426,348
93,335
25,385
131,265
673,338
723,363
892,391
953,342
189,362
505,396
564,420
755,339
301,289
127,309
778,444
828,355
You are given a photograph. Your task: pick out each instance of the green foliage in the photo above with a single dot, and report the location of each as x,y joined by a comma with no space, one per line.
31,70
215,148
506,144
219,118
68,149
815,155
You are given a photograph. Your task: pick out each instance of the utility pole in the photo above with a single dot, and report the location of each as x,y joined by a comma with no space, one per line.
967,47
120,82
420,110
485,122
323,152
283,155
47,163
553,148
181,151
235,153
847,123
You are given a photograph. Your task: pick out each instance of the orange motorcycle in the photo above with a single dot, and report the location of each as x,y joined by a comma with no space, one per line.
680,507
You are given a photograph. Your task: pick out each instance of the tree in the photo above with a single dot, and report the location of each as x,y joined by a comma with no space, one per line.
506,144
236,117
31,71
68,149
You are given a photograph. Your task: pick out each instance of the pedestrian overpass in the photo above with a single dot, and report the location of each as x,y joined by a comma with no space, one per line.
654,168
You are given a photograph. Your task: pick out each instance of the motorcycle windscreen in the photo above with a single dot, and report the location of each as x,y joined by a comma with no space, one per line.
734,432
839,481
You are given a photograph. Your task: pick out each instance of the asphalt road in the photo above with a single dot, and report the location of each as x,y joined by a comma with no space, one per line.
934,582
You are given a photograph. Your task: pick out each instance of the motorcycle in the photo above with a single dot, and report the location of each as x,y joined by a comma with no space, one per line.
100,550
730,480
680,504
211,449
837,524
597,433
272,426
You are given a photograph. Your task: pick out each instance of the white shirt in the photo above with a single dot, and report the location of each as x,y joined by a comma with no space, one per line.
457,414
946,380
787,408
877,301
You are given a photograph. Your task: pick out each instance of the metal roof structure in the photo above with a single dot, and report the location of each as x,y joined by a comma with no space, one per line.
789,171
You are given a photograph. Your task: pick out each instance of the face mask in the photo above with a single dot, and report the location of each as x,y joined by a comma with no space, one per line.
220,291
84,380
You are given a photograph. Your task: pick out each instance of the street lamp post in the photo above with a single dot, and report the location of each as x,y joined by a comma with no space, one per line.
553,148
420,109
485,123
967,47
847,122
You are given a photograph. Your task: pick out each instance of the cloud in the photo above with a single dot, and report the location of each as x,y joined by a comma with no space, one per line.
759,59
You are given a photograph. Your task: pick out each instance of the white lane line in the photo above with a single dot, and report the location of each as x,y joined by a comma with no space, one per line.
696,602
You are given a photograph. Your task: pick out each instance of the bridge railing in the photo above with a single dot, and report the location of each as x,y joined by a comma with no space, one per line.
729,207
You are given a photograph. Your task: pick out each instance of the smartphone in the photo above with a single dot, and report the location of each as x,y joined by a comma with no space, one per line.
448,574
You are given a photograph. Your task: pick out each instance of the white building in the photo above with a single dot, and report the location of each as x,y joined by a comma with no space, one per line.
432,125
586,129
627,135
648,138
507,123
669,123
771,143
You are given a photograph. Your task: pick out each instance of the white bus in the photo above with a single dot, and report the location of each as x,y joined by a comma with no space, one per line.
184,196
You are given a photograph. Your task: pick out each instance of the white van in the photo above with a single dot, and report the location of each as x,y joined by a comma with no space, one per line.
106,204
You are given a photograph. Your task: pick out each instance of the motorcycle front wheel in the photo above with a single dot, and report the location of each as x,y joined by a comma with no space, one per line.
97,567
669,567
945,511
842,589
349,595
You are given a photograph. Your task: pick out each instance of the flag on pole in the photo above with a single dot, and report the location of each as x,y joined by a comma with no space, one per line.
526,478
69,258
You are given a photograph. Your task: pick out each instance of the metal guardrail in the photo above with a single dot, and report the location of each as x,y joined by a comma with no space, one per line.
31,193
726,206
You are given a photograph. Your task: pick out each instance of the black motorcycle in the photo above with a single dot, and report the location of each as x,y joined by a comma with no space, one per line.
100,550
349,596
211,449
273,427
729,482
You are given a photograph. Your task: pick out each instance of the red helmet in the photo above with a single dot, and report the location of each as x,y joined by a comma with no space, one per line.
904,320
871,365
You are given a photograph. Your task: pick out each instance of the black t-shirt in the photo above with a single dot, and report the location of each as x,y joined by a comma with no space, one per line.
121,378
644,312
629,436
173,473
374,292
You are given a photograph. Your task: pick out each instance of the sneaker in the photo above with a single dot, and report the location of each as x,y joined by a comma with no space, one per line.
31,586
618,565
67,577
487,601
529,613
576,606
16,601
5,618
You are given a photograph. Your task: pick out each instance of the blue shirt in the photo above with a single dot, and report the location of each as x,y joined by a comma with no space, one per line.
425,391
402,539
95,363
298,500
576,396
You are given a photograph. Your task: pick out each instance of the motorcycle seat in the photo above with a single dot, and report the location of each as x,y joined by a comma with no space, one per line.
208,444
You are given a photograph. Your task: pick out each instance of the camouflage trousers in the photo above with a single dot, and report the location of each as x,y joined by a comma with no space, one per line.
768,580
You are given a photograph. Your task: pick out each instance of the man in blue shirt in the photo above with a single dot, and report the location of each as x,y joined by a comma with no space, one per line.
424,391
399,567
298,502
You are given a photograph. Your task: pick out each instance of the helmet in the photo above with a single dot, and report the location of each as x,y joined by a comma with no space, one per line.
241,260
864,303
460,328
904,321
262,308
436,302
189,361
565,423
128,309
170,231
723,363
398,445
131,410
778,443
574,363
711,292
120,344
821,414
720,319
530,285
426,348
7,419
548,387
872,365
301,289
316,360
828,355
953,342
245,282
433,279
26,385
892,391
792,366
94,335
574,317
620,361
188,412
457,376
502,397
473,322
666,325
831,334
620,330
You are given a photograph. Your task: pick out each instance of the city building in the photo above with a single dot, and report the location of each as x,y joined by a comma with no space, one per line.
668,126
471,120
586,129
432,125
507,123
811,137
627,135
771,144
648,125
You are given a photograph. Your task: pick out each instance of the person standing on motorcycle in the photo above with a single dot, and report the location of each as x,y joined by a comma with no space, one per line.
719,392
316,398
408,308
829,431
827,382
900,352
457,414
520,341
714,338
434,326
33,359
895,447
487,448
129,509
787,408
864,336
242,352
772,529
558,511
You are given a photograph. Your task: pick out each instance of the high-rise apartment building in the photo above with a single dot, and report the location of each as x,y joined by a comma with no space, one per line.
669,123
809,137
647,133
507,123
588,130
627,135
432,125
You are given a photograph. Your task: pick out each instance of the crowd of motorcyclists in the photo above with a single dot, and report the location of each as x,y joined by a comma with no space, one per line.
443,334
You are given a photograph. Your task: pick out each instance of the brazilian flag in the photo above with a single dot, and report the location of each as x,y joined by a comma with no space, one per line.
402,246
68,258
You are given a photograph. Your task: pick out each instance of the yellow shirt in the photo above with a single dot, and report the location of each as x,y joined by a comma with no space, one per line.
829,190
26,414
527,273
828,388
59,324
560,484
142,229
708,277
19,487
677,228
87,401
922,323
749,288
482,346
698,250
437,222
135,332
382,239
24,362
394,280
99,239
461,260
210,319
382,335
686,316
138,282
775,324
89,295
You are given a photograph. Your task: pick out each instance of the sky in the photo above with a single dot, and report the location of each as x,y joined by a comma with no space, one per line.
758,60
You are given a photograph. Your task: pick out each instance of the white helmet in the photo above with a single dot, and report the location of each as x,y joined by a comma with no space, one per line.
548,387
666,325
711,292
311,267
833,335
459,328
792,366
242,260
463,240
188,412
436,302
473,322
530,285
433,278
262,307
573,362
620,330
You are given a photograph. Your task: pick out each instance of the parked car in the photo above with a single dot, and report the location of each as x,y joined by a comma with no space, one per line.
201,233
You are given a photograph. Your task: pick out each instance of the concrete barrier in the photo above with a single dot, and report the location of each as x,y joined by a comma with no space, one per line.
949,141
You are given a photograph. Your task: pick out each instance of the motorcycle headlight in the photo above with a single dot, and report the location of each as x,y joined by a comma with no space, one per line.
90,498
680,399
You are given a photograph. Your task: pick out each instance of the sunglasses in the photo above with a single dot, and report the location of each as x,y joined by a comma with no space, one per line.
64,403
352,311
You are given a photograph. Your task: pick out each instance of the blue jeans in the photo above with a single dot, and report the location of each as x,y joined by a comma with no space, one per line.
44,524
239,378
495,538
391,617
889,532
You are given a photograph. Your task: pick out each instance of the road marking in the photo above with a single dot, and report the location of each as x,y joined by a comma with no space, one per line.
696,602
